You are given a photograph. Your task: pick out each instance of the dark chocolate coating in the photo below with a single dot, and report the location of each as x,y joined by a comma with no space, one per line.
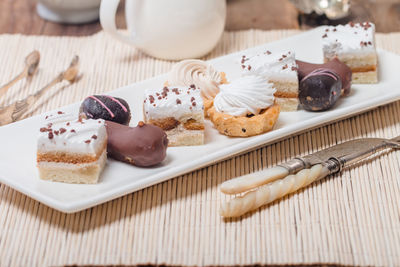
106,108
320,91
335,65
144,145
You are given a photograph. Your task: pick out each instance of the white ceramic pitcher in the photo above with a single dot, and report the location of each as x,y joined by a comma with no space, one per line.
168,29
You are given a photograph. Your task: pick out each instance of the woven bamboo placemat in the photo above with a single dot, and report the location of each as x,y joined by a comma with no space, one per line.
351,219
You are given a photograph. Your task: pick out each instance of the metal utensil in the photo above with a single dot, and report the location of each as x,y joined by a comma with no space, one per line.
15,111
31,65
297,173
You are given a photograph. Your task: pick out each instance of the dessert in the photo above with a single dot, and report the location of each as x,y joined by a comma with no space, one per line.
144,145
354,45
245,107
107,108
320,90
199,73
178,111
279,68
71,150
341,69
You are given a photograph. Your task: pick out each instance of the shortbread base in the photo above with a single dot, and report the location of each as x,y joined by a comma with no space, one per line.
287,104
364,67
85,173
179,136
286,95
365,77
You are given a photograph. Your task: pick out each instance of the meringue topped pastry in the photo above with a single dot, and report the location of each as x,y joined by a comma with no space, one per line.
245,107
280,68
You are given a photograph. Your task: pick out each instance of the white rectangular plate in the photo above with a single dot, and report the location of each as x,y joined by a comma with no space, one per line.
18,140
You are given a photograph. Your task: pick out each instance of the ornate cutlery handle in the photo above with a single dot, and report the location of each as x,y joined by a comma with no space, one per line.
268,193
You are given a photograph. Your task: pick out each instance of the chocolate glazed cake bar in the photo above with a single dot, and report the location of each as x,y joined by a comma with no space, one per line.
354,45
179,111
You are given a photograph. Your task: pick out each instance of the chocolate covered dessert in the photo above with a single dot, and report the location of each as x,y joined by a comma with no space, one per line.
320,90
107,108
335,65
144,145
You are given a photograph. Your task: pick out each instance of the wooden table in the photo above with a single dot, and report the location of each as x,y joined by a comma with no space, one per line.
19,16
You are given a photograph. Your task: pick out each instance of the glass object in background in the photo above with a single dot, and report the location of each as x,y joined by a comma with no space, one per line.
332,9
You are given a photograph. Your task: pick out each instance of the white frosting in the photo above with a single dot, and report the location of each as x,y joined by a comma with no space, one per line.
173,101
197,72
352,38
272,65
64,132
246,95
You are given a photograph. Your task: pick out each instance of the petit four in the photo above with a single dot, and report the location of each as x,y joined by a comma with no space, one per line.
354,45
280,68
71,150
245,107
179,111
199,73
107,108
144,145
335,65
320,90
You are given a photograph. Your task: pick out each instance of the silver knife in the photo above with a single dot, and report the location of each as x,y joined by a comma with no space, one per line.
297,173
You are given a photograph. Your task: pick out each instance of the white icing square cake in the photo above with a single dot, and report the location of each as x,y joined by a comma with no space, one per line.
354,45
71,150
179,111
279,68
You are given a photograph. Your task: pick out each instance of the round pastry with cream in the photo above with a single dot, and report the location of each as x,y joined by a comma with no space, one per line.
199,73
245,107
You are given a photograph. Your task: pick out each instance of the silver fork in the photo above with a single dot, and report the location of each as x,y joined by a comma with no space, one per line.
18,109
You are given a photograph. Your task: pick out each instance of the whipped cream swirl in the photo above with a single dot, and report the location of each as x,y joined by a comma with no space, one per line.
246,95
197,72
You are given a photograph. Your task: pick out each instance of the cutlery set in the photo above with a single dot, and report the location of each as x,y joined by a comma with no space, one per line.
18,109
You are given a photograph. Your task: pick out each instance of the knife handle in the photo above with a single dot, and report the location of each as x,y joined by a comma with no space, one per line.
249,181
268,193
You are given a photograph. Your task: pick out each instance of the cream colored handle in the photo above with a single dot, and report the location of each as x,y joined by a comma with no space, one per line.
270,192
246,182
108,10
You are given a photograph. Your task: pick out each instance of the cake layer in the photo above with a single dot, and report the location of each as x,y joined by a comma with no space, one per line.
170,123
272,65
286,89
365,77
85,173
68,157
287,104
357,61
180,103
180,136
62,133
349,39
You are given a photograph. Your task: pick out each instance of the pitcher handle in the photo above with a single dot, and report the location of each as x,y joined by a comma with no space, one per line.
108,10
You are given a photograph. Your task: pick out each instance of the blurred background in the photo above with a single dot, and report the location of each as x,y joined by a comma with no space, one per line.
20,16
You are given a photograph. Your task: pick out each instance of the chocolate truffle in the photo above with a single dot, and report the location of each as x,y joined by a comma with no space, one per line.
107,108
144,145
320,90
344,72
